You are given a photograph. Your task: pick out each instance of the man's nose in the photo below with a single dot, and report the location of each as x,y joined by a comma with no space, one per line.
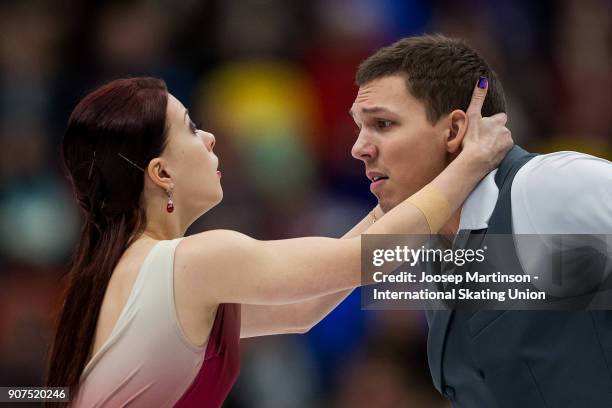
363,150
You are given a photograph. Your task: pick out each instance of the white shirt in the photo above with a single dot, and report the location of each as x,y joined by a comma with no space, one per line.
557,193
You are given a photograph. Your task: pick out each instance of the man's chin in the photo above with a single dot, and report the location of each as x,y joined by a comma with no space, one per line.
386,204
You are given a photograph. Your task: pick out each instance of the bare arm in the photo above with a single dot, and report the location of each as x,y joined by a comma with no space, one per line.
261,320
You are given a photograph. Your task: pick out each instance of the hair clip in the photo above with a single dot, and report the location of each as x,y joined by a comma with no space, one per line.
91,166
131,162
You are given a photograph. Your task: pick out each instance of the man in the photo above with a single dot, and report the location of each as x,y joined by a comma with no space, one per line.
410,114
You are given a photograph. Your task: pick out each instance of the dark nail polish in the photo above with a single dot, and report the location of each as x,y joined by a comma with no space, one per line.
482,82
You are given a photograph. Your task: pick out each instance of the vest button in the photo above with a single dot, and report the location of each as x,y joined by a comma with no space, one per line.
479,374
449,392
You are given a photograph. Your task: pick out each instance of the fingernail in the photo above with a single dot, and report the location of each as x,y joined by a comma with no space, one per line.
482,82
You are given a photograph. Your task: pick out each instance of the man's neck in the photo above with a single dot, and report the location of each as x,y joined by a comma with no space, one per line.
452,226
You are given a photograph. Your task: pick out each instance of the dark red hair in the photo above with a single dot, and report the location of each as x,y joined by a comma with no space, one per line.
112,135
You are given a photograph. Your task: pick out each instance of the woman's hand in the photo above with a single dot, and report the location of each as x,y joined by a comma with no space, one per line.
487,140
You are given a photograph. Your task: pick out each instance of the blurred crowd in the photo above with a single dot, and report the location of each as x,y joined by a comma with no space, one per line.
273,80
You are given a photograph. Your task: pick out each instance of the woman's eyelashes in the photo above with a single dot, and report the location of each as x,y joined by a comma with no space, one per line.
194,128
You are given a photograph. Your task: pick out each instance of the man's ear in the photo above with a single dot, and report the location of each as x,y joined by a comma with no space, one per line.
458,123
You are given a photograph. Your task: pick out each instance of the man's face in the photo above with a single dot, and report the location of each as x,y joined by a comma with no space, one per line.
396,141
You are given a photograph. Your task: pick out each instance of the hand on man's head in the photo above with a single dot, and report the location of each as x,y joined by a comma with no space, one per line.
487,139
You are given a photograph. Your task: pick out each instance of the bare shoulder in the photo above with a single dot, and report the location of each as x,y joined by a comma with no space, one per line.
212,246
203,261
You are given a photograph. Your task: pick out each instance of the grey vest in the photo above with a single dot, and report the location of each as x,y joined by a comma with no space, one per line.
512,359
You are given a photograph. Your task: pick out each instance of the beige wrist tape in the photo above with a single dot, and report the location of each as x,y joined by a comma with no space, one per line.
433,205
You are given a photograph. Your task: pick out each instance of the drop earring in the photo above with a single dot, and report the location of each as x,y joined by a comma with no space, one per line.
170,204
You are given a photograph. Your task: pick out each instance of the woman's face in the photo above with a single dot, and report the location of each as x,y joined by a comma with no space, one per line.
190,161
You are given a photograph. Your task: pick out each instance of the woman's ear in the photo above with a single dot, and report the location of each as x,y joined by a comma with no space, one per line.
456,132
158,174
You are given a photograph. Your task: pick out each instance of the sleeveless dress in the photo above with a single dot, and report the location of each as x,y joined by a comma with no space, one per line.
147,361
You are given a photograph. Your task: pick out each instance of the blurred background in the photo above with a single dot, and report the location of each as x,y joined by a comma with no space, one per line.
273,80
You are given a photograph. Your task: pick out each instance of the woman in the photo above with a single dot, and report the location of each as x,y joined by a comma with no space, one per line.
153,318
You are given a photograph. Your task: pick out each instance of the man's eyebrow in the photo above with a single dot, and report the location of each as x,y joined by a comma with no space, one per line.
374,109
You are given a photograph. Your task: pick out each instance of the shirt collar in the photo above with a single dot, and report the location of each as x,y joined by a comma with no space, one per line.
479,206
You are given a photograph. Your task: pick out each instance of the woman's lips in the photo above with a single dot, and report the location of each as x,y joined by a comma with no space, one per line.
219,173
